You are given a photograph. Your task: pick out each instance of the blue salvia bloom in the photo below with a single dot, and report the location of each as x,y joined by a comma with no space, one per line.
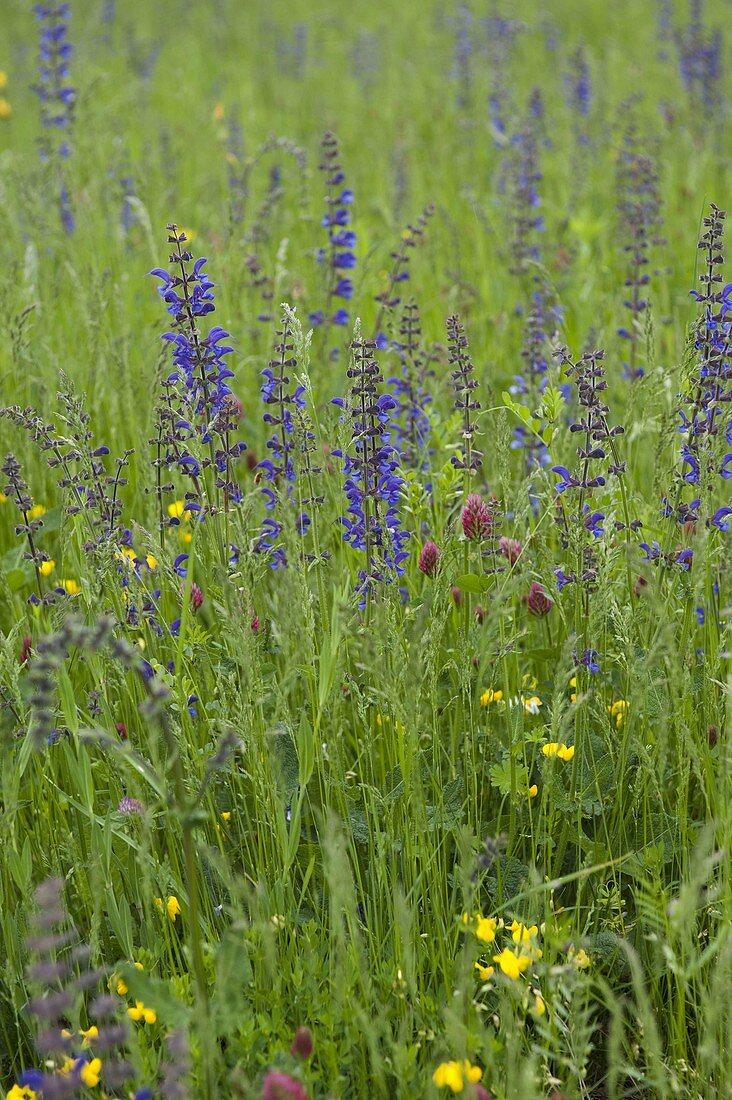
500,36
700,56
56,95
542,321
463,56
373,485
410,421
200,379
526,200
338,257
578,91
282,400
706,418
639,210
389,299
664,17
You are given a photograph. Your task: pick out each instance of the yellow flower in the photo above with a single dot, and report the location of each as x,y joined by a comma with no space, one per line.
70,587
66,1034
556,748
573,682
121,987
91,1032
618,710
485,929
178,509
140,1012
219,112
226,816
4,500
3,80
5,109
520,933
484,972
172,905
490,696
191,234
580,958
539,1004
529,682
512,965
533,790
37,511
21,1092
46,568
453,1075
90,1071
532,704
185,537
152,562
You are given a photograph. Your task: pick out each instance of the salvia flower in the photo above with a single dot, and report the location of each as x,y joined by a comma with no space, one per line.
201,407
700,57
338,257
56,95
464,385
639,211
389,299
409,389
527,221
373,486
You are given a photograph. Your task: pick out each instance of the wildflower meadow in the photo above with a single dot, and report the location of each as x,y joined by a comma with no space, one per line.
365,550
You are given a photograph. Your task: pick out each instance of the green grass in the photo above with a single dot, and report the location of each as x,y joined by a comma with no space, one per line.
376,794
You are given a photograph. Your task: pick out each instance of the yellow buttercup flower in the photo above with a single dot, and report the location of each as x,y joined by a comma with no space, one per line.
178,510
453,1075
490,696
90,1071
512,965
556,748
70,587
191,234
5,109
152,562
533,790
141,1013
484,972
485,929
37,511
46,568
226,816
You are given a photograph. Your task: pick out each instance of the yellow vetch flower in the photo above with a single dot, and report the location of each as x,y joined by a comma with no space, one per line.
172,905
490,696
556,748
37,511
70,587
533,790
91,1032
140,1012
152,562
453,1075
532,704
90,1072
21,1092
521,933
121,987
46,568
580,958
178,510
485,929
539,1004
484,972
5,109
66,1034
618,710
512,965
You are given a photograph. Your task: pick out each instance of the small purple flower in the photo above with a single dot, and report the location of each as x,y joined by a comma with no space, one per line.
590,660
428,559
130,806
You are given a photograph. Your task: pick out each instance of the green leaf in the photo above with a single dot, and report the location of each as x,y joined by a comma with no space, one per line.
472,582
